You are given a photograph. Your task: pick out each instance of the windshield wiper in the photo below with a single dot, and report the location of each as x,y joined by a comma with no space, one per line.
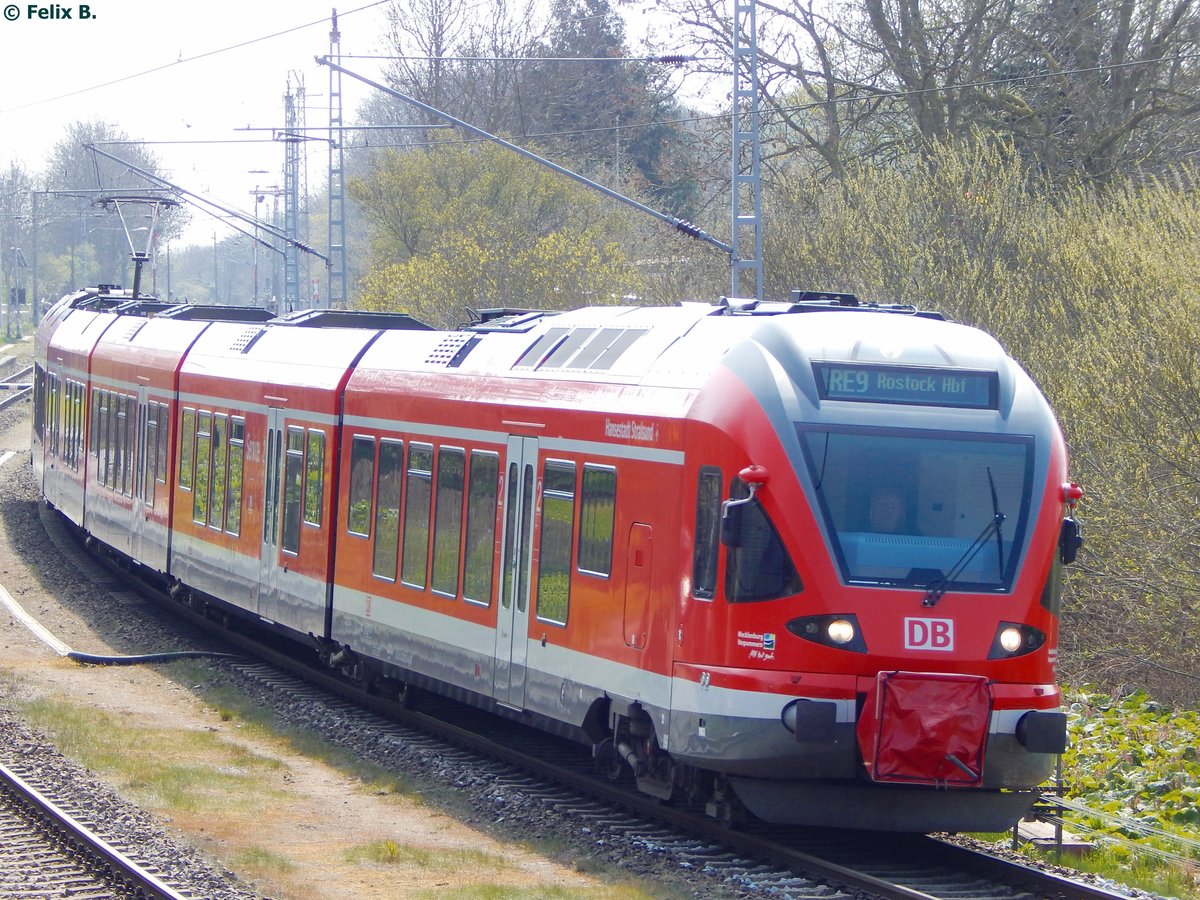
937,589
999,520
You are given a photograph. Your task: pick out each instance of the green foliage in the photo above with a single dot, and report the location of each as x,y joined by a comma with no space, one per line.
475,227
1134,758
1088,291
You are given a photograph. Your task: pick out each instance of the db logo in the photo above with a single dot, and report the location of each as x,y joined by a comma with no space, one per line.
929,634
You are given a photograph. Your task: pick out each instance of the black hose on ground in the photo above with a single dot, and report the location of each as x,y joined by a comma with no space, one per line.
92,659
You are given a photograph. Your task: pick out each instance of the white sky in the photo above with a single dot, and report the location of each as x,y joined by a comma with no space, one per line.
172,70
187,76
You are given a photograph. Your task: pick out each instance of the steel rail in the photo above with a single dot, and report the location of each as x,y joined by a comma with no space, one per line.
87,841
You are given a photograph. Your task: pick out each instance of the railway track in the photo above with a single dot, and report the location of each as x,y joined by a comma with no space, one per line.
15,387
531,774
50,853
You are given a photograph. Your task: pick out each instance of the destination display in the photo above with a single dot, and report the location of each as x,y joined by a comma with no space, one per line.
906,384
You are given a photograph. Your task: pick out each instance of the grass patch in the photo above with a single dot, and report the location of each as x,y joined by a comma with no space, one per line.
186,770
262,860
389,852
261,722
507,892
1137,870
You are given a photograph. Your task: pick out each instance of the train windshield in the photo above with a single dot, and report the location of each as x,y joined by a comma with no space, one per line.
925,509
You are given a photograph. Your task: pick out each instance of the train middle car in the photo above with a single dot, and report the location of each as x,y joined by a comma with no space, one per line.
799,560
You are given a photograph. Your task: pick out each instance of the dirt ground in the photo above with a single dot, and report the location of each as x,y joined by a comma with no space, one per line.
325,812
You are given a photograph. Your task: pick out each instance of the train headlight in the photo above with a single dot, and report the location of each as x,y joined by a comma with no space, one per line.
1010,640
1013,639
839,631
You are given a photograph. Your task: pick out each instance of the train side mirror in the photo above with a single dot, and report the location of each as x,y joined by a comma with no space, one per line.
731,510
1069,540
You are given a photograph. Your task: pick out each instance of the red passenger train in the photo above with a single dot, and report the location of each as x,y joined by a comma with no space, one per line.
801,559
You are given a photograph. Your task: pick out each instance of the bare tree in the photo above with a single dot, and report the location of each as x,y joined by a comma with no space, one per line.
466,61
1091,87
1113,85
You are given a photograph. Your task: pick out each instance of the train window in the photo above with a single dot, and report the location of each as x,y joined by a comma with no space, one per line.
39,402
481,527
80,419
314,477
525,549
117,421
387,509
707,539
131,420
220,472
293,487
510,536
156,435
597,510
68,427
203,467
99,412
151,451
52,412
67,442
418,494
447,520
187,439
271,480
160,468
233,492
108,466
94,442
758,566
908,508
362,479
558,525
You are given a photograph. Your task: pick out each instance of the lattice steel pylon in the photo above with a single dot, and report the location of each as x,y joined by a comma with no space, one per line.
293,136
337,183
747,153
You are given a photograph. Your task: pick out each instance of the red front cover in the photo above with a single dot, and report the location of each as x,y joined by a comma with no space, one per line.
926,728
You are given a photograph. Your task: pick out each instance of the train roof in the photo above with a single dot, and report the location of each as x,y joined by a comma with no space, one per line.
664,346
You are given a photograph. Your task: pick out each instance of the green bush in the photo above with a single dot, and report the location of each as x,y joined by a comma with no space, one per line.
1092,292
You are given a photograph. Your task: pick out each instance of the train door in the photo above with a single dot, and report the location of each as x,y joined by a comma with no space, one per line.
268,572
143,492
512,620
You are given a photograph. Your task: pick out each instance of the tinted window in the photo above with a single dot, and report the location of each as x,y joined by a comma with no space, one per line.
203,462
758,567
558,521
418,495
447,523
314,477
708,533
387,509
362,480
597,508
293,485
906,508
233,494
481,527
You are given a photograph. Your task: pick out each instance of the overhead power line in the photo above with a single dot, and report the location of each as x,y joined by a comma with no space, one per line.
680,225
188,59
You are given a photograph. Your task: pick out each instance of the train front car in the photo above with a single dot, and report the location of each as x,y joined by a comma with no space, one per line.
869,638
